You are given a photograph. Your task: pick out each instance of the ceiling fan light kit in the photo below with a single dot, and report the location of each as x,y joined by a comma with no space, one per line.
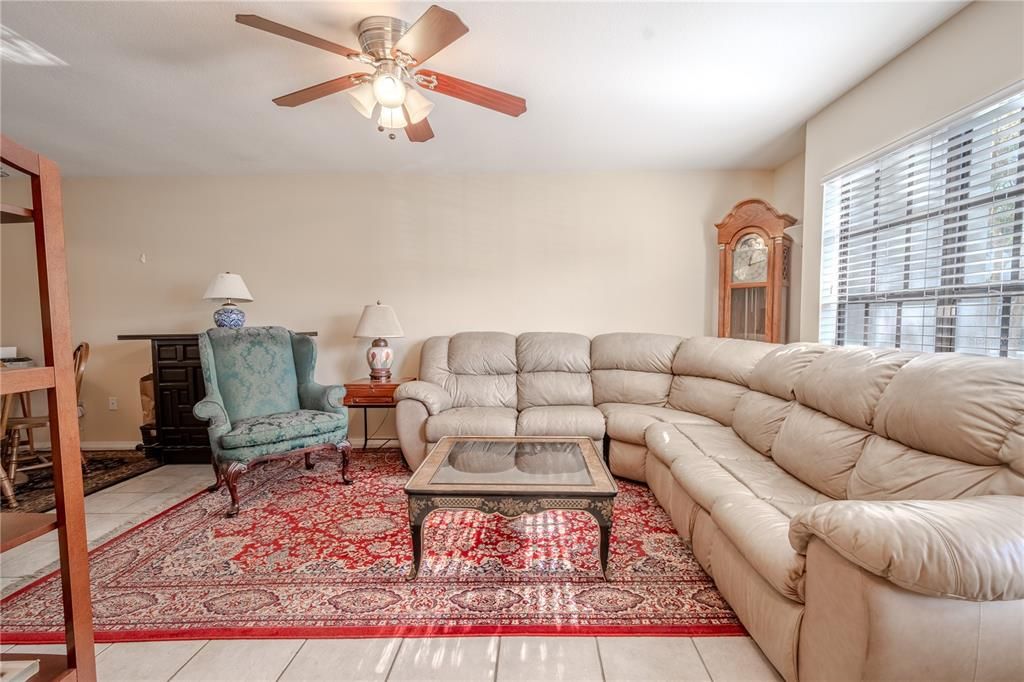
394,48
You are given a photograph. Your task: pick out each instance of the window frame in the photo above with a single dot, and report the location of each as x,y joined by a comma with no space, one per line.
958,155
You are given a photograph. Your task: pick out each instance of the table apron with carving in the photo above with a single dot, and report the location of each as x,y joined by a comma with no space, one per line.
510,506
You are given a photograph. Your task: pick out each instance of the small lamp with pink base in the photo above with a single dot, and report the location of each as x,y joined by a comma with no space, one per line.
378,322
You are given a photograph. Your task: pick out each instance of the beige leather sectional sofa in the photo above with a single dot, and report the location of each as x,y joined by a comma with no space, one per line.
862,510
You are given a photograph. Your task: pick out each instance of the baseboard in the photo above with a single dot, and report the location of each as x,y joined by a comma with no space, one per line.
91,445
109,444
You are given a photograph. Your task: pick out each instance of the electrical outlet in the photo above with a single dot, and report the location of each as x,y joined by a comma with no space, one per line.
112,403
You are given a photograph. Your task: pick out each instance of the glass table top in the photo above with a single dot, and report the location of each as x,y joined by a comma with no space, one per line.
483,462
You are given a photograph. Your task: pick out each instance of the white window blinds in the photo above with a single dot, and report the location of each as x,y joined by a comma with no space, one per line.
922,247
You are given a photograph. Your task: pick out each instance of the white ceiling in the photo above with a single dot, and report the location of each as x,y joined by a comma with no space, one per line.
176,88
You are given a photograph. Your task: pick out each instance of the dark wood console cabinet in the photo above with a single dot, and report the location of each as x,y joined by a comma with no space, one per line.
177,387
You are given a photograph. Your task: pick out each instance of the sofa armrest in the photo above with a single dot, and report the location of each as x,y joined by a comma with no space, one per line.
971,548
314,396
433,397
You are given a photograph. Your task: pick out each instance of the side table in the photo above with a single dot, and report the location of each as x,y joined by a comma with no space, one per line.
369,393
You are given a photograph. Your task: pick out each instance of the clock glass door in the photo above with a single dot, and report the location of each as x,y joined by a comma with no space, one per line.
748,313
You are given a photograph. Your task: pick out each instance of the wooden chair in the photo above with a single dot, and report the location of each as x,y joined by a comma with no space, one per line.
18,430
6,484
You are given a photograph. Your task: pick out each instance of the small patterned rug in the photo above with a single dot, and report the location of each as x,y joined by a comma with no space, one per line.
104,468
308,557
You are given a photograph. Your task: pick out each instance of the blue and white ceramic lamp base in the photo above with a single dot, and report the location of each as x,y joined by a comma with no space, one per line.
229,316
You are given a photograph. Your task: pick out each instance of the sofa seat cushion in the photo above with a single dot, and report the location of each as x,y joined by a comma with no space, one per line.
561,420
275,428
628,422
773,484
472,421
748,495
761,534
703,478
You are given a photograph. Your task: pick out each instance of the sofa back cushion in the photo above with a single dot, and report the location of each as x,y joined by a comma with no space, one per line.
777,372
255,371
846,383
554,369
889,470
632,368
711,375
478,369
818,449
962,407
947,426
758,418
888,425
837,393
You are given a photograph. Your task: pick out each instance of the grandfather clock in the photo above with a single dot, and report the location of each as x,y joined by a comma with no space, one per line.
754,255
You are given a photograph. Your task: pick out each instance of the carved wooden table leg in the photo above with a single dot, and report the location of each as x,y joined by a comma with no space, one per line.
601,510
346,451
419,508
606,533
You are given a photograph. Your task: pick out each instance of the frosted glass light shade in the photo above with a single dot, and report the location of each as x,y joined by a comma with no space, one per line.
363,99
389,89
378,322
228,286
417,106
392,118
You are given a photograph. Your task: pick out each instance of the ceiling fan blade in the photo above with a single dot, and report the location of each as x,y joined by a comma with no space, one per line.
435,30
294,34
294,99
473,93
418,132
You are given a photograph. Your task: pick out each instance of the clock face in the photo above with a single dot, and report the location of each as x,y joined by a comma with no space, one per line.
750,260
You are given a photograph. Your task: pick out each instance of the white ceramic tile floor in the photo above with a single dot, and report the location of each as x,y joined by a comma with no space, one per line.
720,659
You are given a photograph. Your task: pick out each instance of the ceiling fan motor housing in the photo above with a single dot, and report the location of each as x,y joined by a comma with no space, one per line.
377,35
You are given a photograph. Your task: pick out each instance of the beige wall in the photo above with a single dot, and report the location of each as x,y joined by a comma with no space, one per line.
978,52
587,253
788,197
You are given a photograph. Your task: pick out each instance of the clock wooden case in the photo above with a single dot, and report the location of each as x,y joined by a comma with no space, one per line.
754,256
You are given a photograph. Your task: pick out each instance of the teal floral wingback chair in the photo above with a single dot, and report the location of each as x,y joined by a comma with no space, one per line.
262,402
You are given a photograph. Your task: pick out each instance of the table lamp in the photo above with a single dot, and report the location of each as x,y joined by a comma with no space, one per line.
378,322
228,287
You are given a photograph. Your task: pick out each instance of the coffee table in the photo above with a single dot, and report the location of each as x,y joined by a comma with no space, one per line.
512,477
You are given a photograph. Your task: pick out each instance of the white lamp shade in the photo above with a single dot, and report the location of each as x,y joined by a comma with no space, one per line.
392,118
228,285
417,106
378,322
363,99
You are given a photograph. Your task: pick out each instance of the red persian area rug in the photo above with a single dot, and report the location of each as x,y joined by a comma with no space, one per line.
309,557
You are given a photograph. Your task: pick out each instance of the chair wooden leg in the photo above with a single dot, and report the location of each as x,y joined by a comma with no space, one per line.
231,474
12,466
26,411
219,480
345,449
309,461
7,487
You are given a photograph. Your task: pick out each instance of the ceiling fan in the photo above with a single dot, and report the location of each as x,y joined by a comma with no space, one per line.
394,49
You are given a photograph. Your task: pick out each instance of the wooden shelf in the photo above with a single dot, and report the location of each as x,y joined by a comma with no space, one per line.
51,666
21,379
9,213
59,380
17,528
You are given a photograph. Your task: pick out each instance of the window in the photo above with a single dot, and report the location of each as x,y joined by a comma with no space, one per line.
922,247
